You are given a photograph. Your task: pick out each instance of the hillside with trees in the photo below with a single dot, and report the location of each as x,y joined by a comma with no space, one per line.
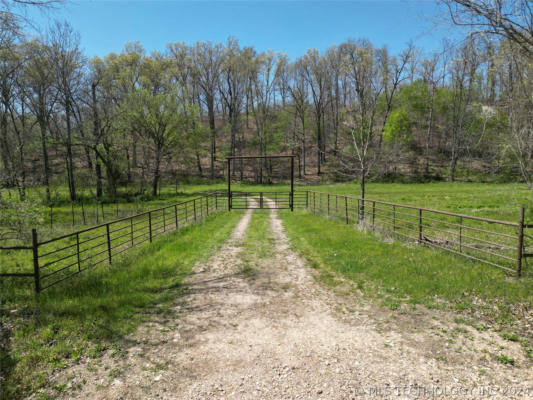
354,111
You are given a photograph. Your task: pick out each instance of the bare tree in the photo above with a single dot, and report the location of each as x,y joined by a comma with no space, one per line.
315,69
511,19
68,63
207,61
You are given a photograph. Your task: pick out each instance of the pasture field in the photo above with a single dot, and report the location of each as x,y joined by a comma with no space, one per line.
490,200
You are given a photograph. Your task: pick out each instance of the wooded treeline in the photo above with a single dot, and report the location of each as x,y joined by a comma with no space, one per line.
352,111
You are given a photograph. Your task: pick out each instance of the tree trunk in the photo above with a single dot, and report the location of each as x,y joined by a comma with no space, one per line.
98,171
199,164
70,162
45,159
363,184
155,182
211,116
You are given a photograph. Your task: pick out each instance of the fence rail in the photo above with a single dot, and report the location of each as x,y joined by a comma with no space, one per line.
62,257
493,242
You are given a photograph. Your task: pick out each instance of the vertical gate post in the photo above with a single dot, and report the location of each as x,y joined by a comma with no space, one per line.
346,208
520,244
35,249
419,225
291,199
150,224
261,200
131,230
373,215
328,205
194,208
176,215
229,185
307,199
78,251
460,234
108,243
216,201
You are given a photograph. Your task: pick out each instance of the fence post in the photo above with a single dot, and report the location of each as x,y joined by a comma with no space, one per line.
207,205
150,224
201,208
78,250
108,243
131,229
261,200
346,208
307,200
394,218
373,215
194,206
460,234
176,215
35,248
328,205
520,244
216,201
419,225
164,221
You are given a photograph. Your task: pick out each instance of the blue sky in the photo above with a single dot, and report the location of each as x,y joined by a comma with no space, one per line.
290,27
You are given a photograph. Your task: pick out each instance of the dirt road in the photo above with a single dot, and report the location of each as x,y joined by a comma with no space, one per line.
253,328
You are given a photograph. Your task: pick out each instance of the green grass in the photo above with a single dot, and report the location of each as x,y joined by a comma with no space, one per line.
397,273
498,201
90,314
489,200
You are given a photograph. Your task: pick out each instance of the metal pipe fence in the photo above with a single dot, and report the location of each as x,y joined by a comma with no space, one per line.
62,257
493,242
489,241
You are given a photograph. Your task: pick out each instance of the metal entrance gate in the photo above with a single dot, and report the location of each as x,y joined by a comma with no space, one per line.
267,200
261,200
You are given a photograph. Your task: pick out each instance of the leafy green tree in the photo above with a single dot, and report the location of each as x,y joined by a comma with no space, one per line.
398,127
159,119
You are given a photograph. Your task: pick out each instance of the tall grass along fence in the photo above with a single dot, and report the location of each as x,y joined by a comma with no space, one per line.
60,258
496,243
